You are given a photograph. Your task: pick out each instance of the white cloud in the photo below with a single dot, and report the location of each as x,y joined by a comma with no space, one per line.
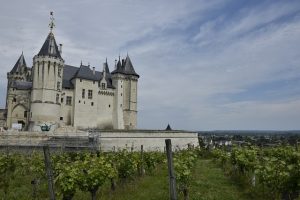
187,77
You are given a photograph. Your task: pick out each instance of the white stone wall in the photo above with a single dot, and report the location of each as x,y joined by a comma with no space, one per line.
67,111
151,140
98,115
107,140
118,83
105,108
17,103
130,102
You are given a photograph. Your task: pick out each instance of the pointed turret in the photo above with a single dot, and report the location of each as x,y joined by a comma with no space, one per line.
125,67
106,68
128,68
19,65
168,128
50,47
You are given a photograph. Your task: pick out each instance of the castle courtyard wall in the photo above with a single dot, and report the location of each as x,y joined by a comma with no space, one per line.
152,140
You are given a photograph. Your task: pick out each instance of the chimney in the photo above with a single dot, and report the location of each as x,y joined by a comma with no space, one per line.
94,70
60,49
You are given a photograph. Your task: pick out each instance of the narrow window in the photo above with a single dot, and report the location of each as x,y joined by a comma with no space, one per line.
61,118
61,100
83,93
80,80
25,114
90,94
14,100
69,100
57,98
58,86
103,86
59,72
109,105
92,103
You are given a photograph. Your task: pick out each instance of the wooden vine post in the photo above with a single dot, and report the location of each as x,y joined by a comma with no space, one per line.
172,178
142,171
49,172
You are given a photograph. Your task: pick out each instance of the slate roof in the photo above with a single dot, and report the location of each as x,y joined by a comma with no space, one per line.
125,68
68,74
21,85
50,47
19,64
84,72
168,128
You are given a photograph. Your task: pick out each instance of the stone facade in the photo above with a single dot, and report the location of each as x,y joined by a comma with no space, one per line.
55,94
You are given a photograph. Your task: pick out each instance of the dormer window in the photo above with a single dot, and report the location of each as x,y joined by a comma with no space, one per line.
103,86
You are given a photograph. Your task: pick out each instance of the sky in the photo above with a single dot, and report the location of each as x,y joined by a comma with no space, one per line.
203,65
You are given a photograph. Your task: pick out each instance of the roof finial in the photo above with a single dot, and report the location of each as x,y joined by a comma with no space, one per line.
51,24
106,60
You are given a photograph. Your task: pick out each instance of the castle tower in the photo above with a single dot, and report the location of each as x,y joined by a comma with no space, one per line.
18,93
47,84
125,79
130,97
117,81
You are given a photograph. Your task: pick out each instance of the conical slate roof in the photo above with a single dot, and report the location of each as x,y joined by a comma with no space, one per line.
128,68
50,47
19,64
168,128
125,68
106,67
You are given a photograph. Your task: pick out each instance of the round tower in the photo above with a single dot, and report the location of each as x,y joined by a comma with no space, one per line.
125,81
47,85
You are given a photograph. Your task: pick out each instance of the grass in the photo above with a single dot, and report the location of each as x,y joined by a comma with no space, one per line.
209,183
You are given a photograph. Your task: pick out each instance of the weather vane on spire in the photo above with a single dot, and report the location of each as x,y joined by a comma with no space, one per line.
51,24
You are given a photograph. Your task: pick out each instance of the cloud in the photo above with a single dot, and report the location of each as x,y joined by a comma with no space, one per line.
202,63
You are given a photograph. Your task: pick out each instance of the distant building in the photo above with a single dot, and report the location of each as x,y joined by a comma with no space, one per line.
57,94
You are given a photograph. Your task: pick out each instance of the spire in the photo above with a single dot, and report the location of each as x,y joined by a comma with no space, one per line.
51,24
19,64
168,128
50,47
105,67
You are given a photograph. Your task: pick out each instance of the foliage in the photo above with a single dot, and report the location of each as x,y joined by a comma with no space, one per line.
277,169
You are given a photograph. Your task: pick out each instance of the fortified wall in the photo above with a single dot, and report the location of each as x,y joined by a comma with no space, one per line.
98,140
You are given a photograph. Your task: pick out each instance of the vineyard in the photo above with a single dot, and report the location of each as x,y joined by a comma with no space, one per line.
266,173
